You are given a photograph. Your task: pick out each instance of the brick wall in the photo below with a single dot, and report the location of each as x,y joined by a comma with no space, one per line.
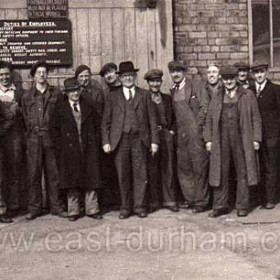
210,31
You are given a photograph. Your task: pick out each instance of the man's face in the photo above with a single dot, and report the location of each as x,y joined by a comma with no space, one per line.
242,75
128,79
213,75
229,82
260,75
177,76
155,84
41,75
5,77
84,78
74,95
110,76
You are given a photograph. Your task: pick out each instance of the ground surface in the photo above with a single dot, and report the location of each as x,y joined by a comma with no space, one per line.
164,246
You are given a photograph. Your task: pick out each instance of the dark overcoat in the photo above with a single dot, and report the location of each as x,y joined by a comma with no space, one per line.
78,164
250,127
114,116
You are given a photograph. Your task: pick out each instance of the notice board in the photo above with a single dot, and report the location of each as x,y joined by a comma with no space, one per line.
24,42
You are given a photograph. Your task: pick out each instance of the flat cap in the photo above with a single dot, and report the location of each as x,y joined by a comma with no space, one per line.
107,67
176,65
228,70
38,64
80,69
71,84
153,74
242,65
259,64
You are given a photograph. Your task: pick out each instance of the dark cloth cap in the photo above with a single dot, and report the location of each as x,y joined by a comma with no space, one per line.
107,67
176,65
71,84
126,66
153,73
80,69
259,64
38,64
228,70
242,65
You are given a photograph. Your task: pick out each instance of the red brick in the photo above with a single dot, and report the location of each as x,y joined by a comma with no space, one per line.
197,34
187,27
242,55
223,55
206,56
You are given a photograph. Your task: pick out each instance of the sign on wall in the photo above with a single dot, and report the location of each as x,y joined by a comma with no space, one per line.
47,9
24,42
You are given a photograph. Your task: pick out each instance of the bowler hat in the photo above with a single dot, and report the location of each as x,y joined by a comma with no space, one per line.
153,73
176,65
107,67
228,70
242,65
38,64
259,64
126,66
80,69
71,84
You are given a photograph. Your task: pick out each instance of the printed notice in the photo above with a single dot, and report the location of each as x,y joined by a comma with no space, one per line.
24,42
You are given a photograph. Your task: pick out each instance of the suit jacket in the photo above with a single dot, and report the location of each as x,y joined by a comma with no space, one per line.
114,115
78,163
269,106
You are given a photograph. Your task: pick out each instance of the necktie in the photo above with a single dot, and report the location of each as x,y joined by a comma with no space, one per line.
259,88
75,106
176,87
130,95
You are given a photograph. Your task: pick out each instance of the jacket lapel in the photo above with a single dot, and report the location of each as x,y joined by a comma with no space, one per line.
137,98
188,90
68,111
120,98
85,109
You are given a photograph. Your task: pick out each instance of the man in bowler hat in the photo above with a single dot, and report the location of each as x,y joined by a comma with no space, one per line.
73,133
268,97
129,130
161,165
38,109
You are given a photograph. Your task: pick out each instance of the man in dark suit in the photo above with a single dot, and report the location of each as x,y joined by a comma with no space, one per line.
161,165
11,145
129,129
74,136
268,97
243,79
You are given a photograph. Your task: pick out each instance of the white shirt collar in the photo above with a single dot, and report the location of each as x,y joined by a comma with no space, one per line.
260,87
126,92
71,102
5,89
181,85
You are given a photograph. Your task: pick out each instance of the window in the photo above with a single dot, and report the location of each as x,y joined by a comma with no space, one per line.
264,23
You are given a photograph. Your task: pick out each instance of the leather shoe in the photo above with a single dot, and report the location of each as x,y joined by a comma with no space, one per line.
96,216
242,213
123,216
269,206
5,219
73,218
185,205
62,214
218,212
142,214
12,213
173,208
198,209
31,216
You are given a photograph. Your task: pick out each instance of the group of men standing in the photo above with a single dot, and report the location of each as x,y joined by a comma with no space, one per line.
140,143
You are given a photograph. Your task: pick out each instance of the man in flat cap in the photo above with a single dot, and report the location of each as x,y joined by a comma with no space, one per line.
161,177
38,108
73,132
111,78
129,130
233,128
211,87
192,157
243,77
268,97
11,145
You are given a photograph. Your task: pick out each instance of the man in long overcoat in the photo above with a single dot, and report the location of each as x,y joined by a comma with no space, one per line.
73,131
192,157
233,127
268,97
129,130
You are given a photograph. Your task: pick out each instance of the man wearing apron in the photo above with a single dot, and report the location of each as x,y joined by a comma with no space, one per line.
192,157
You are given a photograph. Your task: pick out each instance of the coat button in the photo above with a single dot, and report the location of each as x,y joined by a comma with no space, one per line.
70,145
